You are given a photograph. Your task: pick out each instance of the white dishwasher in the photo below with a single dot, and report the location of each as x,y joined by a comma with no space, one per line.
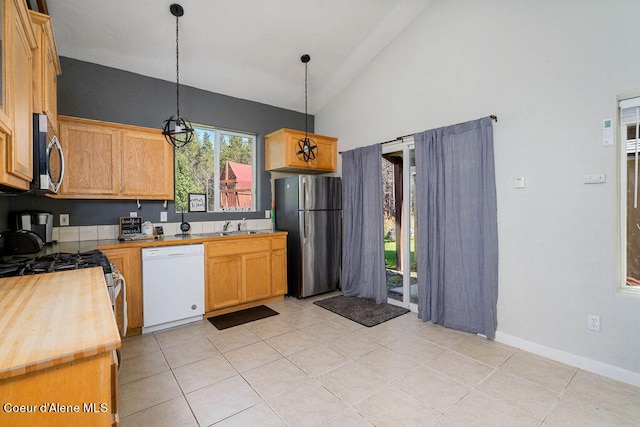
172,286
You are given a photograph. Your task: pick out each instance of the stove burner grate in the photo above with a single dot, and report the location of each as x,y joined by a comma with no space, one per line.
61,261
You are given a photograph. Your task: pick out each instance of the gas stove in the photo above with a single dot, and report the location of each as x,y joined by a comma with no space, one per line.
61,261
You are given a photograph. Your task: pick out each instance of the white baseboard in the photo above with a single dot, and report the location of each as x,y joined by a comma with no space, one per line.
581,362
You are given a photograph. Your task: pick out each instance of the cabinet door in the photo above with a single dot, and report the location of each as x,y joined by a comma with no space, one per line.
278,272
256,269
128,262
46,67
50,89
147,165
19,41
292,147
326,155
224,281
50,73
92,161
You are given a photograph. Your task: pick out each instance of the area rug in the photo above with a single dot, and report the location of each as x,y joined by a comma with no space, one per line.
236,318
361,310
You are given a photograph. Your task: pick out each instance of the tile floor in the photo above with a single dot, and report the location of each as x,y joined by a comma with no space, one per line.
310,367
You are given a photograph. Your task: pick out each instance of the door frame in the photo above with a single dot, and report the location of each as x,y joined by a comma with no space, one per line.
405,145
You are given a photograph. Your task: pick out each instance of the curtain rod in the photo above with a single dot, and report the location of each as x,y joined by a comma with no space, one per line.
400,138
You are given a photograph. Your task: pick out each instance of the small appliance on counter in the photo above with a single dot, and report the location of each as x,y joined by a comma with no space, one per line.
21,242
40,223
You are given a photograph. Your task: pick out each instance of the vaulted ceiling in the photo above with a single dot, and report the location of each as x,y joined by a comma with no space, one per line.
248,49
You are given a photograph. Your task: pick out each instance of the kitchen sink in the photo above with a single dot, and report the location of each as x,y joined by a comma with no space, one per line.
222,234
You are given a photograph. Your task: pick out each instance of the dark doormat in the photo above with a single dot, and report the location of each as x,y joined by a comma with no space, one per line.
236,318
361,310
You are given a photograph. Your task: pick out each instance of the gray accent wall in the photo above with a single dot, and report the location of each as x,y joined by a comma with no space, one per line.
102,93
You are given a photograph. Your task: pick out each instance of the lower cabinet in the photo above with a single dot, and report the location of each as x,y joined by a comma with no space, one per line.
128,261
279,267
240,272
244,272
79,393
223,279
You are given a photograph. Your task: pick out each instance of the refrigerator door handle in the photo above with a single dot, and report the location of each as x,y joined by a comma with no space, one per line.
304,226
304,194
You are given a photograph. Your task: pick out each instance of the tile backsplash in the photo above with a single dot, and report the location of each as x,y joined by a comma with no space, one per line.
110,232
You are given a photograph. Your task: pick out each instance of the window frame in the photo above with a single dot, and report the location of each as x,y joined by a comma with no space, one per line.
622,156
218,133
254,171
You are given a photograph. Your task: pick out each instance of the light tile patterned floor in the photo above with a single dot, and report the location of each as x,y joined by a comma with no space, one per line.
310,367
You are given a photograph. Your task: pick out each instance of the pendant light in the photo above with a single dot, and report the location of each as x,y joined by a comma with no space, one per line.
307,147
176,129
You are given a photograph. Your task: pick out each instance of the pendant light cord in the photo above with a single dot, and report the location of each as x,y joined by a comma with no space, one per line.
177,70
306,116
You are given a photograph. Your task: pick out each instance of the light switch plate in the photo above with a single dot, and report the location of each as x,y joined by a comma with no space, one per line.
519,182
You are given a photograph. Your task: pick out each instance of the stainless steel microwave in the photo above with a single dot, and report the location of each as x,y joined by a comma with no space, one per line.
48,158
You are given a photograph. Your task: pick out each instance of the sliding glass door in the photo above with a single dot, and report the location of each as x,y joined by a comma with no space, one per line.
398,180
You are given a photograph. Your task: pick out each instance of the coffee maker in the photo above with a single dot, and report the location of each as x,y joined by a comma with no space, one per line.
40,223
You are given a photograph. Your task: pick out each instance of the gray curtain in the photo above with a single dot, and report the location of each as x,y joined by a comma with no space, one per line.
457,246
363,270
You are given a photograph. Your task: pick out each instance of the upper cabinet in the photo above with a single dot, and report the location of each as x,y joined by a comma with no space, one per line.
92,159
46,68
282,145
114,161
16,133
147,165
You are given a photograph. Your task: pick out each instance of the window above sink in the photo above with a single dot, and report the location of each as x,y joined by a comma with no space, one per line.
220,164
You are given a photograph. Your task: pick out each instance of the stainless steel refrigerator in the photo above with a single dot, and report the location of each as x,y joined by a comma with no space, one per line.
309,208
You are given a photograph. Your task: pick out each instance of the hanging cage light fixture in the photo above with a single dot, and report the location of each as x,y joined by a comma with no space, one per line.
306,150
177,130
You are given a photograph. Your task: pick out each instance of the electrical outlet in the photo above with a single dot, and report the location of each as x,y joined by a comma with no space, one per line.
163,217
595,178
133,214
593,322
267,214
64,220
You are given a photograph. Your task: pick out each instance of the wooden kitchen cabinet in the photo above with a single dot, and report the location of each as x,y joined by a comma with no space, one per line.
16,131
46,68
244,272
257,274
147,165
281,147
279,267
58,344
92,159
128,262
223,279
114,161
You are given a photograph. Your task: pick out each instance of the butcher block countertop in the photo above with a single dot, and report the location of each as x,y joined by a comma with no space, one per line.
50,319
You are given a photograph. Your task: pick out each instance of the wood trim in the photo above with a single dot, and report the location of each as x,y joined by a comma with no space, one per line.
113,125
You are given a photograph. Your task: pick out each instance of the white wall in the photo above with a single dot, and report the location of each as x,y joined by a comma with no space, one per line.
550,70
